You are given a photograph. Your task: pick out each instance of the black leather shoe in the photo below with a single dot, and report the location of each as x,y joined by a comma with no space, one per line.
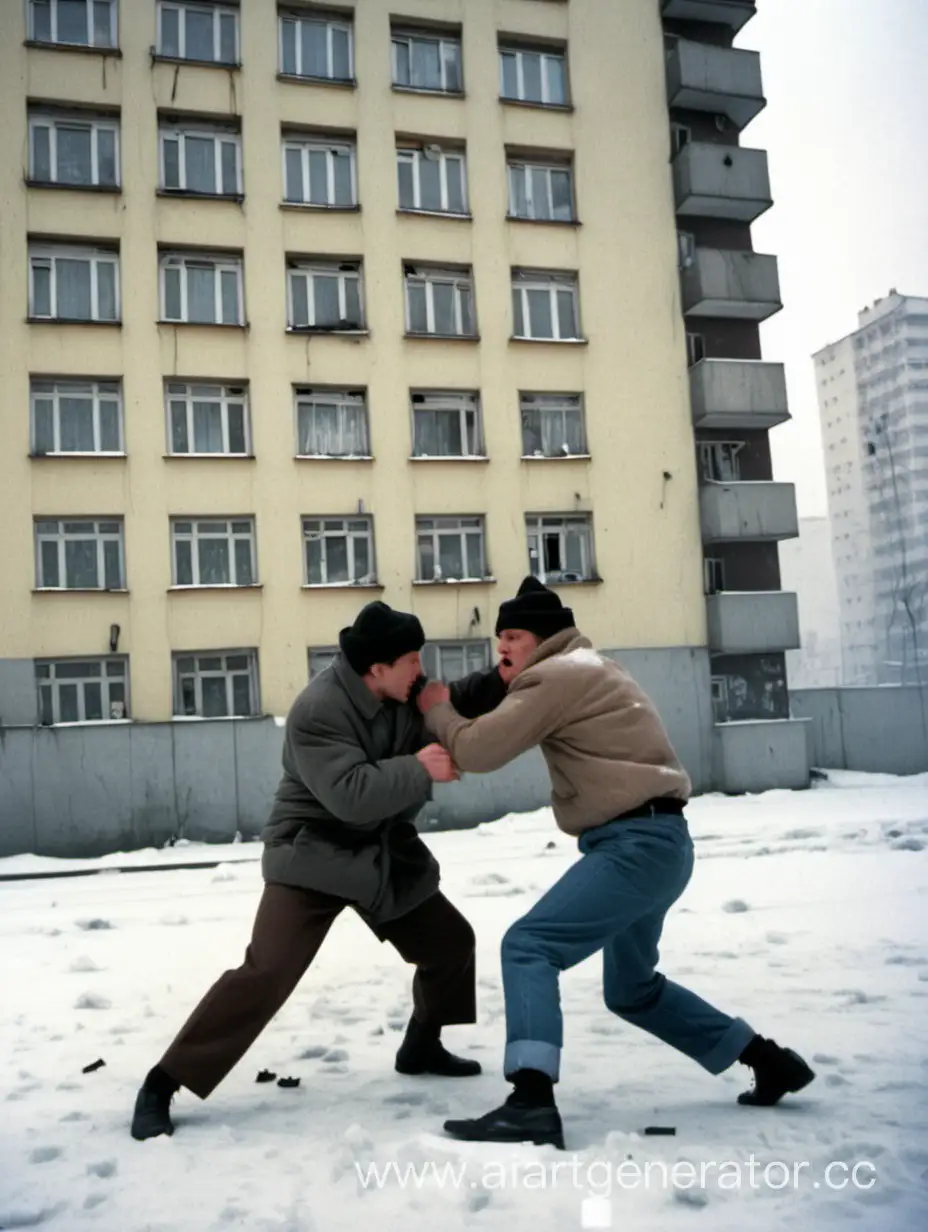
511,1123
152,1115
422,1052
777,1072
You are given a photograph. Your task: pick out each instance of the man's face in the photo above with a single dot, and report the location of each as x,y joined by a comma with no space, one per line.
395,680
514,648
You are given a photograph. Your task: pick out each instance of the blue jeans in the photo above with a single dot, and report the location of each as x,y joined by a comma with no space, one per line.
614,899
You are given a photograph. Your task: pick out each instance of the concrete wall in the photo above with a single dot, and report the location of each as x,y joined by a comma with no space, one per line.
760,756
875,730
18,698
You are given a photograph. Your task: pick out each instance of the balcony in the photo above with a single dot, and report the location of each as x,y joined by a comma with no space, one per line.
753,622
758,756
748,512
738,286
721,80
738,393
721,181
732,13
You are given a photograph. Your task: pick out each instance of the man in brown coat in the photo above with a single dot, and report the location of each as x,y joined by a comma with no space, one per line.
617,786
358,765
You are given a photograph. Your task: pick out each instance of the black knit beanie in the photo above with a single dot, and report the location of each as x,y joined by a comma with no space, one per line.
535,609
380,635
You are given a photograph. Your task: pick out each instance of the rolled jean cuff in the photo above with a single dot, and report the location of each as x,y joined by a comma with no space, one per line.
729,1048
532,1054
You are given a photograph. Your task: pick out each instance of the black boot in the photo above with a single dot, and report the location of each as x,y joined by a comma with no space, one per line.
528,1115
777,1071
422,1052
152,1115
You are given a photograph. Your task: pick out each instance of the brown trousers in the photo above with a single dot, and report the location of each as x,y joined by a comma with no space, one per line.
289,928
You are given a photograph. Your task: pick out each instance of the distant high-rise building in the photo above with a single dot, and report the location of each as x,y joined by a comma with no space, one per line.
807,568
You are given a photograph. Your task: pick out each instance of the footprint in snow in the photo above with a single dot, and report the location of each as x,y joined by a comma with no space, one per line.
907,844
856,996
335,1055
74,1116
412,1098
92,1001
104,1169
313,1053
93,925
735,906
92,1201
824,1058
906,960
83,963
44,1154
174,921
836,1080
777,938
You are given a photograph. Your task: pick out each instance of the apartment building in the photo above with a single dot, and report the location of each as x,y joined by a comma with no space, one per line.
303,305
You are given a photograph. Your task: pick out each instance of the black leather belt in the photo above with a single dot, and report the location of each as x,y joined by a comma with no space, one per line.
661,806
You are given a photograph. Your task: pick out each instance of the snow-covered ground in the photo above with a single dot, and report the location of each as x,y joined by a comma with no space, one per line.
807,915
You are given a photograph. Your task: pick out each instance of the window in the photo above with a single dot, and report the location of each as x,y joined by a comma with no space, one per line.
205,32
713,572
552,425
331,423
216,685
79,23
80,555
448,661
541,191
321,657
207,419
80,151
718,460
81,691
680,136
76,417
695,348
325,296
200,158
544,306
446,425
214,553
200,289
439,302
319,172
560,547
426,61
432,179
73,284
720,698
686,249
316,47
450,549
339,551
533,76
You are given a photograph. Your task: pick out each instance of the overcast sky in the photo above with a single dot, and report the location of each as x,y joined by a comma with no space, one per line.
846,128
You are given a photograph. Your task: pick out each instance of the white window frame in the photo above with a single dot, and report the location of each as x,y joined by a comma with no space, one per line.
199,674
62,536
414,155
204,6
91,28
181,133
230,537
50,683
53,121
463,403
328,655
344,271
472,648
410,36
225,397
99,392
49,255
553,404
719,691
716,456
313,527
220,264
438,528
345,400
306,145
537,525
546,55
526,168
330,23
524,281
430,276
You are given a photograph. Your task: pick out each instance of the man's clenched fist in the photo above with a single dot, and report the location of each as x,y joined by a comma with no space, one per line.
431,694
437,761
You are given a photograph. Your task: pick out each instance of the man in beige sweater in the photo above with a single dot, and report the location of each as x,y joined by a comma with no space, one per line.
616,785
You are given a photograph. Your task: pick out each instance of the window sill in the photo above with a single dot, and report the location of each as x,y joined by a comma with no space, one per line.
551,341
187,194
333,457
593,581
80,48
308,207
427,91
338,83
158,58
208,457
73,321
343,586
485,581
447,214
566,108
557,457
413,337
87,723
545,222
77,590
203,324
79,454
216,586
322,332
423,457
108,190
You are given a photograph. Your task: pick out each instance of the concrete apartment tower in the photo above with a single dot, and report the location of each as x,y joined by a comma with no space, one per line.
873,403
303,305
